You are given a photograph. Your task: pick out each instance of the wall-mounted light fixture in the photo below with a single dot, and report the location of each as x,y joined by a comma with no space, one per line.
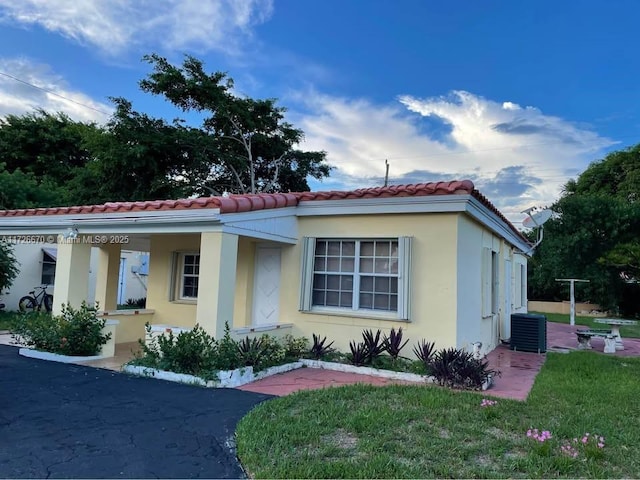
70,234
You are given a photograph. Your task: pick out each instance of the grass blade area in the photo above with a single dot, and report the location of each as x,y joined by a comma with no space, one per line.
416,432
631,331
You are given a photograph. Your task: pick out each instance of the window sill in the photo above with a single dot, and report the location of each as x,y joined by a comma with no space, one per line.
185,301
357,314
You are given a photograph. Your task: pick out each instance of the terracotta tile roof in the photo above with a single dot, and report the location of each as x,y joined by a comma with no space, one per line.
246,203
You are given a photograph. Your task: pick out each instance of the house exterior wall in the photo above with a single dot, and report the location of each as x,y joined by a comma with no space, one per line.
469,322
179,313
433,277
446,297
29,257
182,313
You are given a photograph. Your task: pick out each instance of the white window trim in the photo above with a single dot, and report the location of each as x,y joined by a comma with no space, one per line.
177,277
404,280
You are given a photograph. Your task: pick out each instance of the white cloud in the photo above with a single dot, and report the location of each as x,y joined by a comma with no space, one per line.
518,154
117,25
41,88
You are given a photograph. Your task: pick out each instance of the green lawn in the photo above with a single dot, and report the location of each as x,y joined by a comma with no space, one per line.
629,332
421,432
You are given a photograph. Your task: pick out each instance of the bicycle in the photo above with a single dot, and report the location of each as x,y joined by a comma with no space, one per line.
33,301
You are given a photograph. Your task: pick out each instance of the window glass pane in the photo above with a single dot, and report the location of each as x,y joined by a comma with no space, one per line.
366,300
318,297
196,269
366,249
393,303
333,248
382,285
188,270
319,282
366,284
333,282
346,283
333,264
348,264
345,299
366,265
333,299
394,266
382,249
381,302
321,247
348,249
382,265
393,285
320,264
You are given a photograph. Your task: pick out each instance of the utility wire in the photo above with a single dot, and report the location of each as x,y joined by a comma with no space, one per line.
53,93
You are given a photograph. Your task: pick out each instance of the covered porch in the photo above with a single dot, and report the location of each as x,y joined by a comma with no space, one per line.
212,260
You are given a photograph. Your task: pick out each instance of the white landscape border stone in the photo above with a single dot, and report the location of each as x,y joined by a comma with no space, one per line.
55,357
242,376
374,372
226,378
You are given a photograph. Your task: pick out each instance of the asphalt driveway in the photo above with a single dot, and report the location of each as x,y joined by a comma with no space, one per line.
69,421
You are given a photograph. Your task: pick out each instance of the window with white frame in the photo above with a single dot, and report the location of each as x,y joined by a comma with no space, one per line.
362,275
188,273
48,269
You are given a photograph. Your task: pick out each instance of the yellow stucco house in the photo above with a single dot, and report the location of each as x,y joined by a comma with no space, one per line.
437,259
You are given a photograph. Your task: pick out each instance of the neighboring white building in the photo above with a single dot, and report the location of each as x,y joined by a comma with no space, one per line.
37,264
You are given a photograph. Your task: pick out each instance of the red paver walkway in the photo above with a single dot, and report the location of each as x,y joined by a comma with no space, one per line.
518,369
312,379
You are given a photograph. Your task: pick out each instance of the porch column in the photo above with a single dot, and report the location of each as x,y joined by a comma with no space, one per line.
72,275
217,281
108,276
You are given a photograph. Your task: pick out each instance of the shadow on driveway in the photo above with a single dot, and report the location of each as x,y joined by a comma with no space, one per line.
71,421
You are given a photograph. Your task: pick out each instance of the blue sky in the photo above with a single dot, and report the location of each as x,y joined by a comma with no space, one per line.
517,96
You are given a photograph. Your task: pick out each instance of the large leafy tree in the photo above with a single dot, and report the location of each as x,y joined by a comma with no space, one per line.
8,265
24,190
595,236
48,149
138,157
250,147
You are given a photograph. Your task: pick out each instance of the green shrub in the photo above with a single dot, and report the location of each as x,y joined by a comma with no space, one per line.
295,348
273,353
228,355
74,332
192,352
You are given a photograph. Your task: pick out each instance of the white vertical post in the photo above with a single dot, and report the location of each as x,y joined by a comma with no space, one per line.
572,302
572,296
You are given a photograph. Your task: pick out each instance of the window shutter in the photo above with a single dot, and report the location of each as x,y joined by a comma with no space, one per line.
486,282
173,280
404,283
306,272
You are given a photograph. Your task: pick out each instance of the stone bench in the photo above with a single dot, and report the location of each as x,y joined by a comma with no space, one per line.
584,339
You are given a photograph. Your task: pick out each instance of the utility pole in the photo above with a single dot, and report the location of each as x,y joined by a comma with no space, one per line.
386,175
572,297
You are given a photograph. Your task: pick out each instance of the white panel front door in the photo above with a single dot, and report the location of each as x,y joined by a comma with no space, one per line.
266,289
